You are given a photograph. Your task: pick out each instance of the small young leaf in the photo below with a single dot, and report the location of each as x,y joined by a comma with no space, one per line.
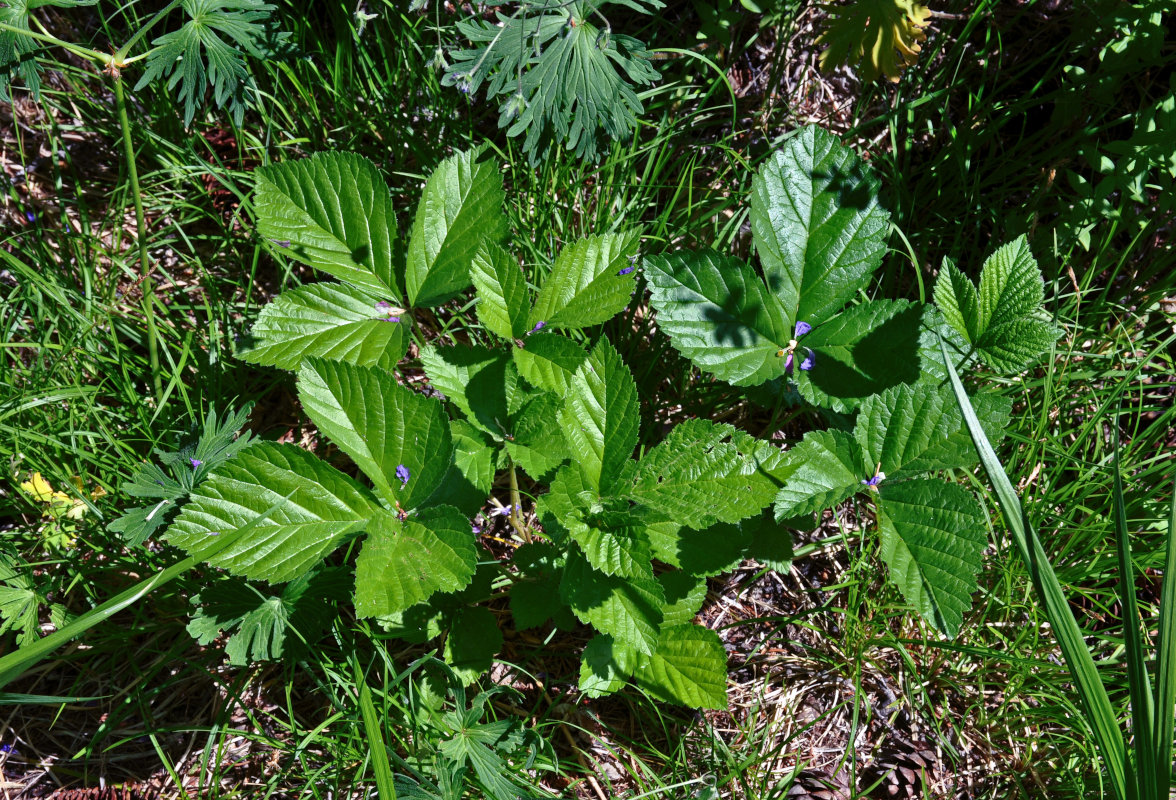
719,314
400,439
829,470
404,562
600,417
334,212
549,360
629,609
473,640
460,207
957,299
327,320
501,291
589,283
688,666
474,379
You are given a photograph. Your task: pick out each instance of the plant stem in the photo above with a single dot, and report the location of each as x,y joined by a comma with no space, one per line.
48,38
140,235
515,519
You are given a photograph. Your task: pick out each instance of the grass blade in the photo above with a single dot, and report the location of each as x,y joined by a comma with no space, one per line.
1166,666
385,787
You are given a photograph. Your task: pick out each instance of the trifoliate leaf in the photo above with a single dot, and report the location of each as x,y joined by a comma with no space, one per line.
474,379
473,640
19,601
324,506
590,282
882,37
688,666
403,562
933,537
460,207
400,439
327,320
549,360
829,470
629,609
720,315
501,291
332,211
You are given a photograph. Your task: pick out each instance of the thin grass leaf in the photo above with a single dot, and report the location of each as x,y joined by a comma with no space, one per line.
374,734
1166,655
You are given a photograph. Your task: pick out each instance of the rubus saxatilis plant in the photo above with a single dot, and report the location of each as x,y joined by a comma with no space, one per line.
805,317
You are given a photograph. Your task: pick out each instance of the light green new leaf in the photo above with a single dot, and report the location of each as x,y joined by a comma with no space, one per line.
719,314
501,291
829,470
704,473
600,417
325,505
629,609
334,212
933,538
957,299
328,320
473,379
689,666
460,207
404,562
382,425
861,352
549,360
585,286
473,640
818,228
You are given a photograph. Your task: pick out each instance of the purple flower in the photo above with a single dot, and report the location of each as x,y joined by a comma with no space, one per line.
5,748
281,242
502,512
788,365
802,328
403,474
30,216
874,481
540,325
383,306
810,359
626,271
195,462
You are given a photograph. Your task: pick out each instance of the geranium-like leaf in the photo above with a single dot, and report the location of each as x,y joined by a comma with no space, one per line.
600,417
629,609
829,470
882,37
400,439
460,207
549,360
16,49
720,315
704,473
334,212
404,562
591,280
688,666
324,506
329,320
473,379
501,291
818,228
933,537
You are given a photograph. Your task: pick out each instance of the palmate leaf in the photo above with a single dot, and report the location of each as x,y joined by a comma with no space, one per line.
208,52
590,282
400,439
719,314
688,666
881,36
328,320
549,361
403,563
600,418
1004,321
629,609
933,537
460,207
324,506
501,291
332,211
17,52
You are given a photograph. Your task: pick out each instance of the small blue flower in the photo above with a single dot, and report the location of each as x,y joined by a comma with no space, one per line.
5,748
802,328
502,512
383,306
195,462
810,359
626,271
403,474
879,476
540,325
30,216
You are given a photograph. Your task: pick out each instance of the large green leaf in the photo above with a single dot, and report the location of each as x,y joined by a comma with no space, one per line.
688,666
704,473
538,446
330,320
933,537
817,225
501,291
400,439
325,505
829,470
600,417
864,350
614,543
473,640
710,551
474,379
468,482
461,205
719,314
549,360
591,281
403,562
629,609
334,212
600,674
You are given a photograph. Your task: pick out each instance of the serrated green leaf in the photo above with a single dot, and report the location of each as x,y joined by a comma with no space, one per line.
460,207
710,551
829,470
770,545
628,609
600,675
16,49
325,505
569,496
19,601
538,446
933,538
474,379
589,283
400,439
403,562
473,640
327,320
536,587
600,417
1010,348
703,473
468,482
501,291
862,351
615,543
334,212
719,314
685,595
817,225
956,298
549,360
688,666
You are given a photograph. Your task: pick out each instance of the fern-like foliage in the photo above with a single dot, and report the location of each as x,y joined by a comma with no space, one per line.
558,71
